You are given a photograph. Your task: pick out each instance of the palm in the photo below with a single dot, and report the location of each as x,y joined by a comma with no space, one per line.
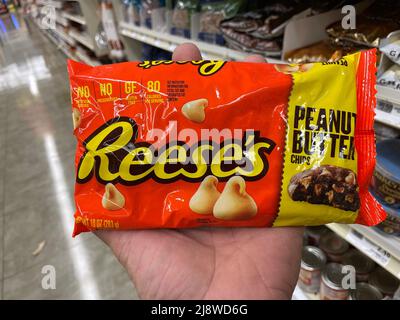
210,263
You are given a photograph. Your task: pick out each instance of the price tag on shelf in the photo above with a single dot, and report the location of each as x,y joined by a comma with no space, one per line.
369,248
385,106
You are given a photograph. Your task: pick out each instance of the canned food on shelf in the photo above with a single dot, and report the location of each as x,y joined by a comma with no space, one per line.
314,234
334,246
386,179
363,265
332,283
384,281
312,262
392,223
365,291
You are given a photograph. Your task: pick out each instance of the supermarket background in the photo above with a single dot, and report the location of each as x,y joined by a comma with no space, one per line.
36,166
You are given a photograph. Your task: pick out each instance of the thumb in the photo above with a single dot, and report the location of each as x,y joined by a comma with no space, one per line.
186,51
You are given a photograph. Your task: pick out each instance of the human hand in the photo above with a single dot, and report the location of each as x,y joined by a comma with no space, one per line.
211,263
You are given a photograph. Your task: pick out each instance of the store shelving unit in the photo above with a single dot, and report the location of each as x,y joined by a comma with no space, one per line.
86,59
69,39
169,42
82,38
91,21
60,45
299,294
383,249
64,36
388,109
55,4
61,20
74,17
55,35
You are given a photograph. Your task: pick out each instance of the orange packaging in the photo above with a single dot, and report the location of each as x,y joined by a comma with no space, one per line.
165,144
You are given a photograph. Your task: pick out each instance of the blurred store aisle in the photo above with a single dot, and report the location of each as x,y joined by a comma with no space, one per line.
36,179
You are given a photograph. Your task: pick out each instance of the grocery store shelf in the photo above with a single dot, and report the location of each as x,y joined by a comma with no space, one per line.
390,243
383,249
388,106
299,294
65,37
388,94
74,17
170,42
62,21
387,119
78,55
84,58
59,45
82,38
55,4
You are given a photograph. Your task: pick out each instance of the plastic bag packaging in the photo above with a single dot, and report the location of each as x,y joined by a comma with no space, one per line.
132,12
376,22
110,28
321,51
212,13
181,17
391,77
147,6
265,23
260,31
368,31
164,144
245,42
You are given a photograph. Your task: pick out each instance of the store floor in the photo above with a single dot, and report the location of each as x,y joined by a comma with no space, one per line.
37,178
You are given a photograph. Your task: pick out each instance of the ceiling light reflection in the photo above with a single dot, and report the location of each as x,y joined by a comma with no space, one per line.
17,75
78,254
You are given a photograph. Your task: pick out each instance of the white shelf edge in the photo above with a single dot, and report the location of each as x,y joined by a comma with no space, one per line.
388,94
83,39
84,58
299,294
391,96
62,21
169,42
73,17
393,265
390,243
55,4
386,119
57,43
77,56
65,37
